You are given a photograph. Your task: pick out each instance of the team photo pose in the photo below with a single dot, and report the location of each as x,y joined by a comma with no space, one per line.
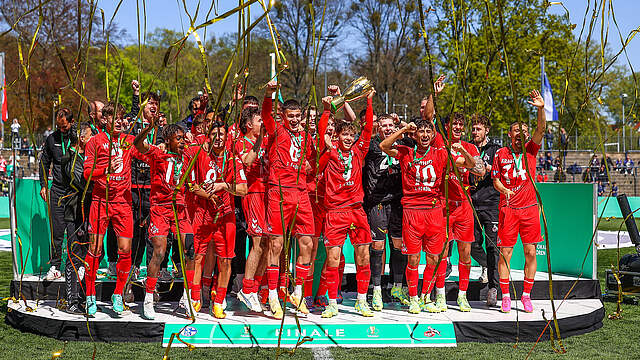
167,169
342,168
108,164
423,227
513,176
289,150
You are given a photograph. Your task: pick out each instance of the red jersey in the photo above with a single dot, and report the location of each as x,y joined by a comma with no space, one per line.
343,171
257,173
456,193
510,169
97,152
422,176
287,151
166,172
210,168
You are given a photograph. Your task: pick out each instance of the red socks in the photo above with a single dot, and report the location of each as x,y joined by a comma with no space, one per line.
221,292
504,287
308,285
151,284
302,272
322,286
247,285
206,281
332,282
441,273
257,281
272,277
340,272
412,279
528,284
93,262
427,279
363,274
195,292
463,275
123,266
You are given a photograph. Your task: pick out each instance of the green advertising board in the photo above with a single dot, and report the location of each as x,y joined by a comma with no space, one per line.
569,209
346,334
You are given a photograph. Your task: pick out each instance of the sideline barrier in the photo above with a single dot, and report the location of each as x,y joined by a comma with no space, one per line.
570,210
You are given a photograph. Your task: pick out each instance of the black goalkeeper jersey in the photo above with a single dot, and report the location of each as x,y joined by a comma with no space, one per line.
483,195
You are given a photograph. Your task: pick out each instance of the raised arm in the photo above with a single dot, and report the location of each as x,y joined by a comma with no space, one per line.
387,144
268,121
368,120
139,142
135,101
537,101
324,122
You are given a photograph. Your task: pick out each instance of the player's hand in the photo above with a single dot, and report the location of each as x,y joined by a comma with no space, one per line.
272,86
410,127
326,102
238,94
457,147
135,85
161,146
509,194
189,137
217,187
439,85
396,119
44,193
536,99
204,98
334,90
371,94
116,162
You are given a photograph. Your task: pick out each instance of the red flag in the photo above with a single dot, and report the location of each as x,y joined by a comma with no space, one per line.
5,110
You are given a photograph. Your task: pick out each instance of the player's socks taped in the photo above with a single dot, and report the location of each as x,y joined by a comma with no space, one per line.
463,271
528,285
428,277
376,266
412,280
272,278
441,273
363,274
504,287
123,266
151,284
332,282
440,290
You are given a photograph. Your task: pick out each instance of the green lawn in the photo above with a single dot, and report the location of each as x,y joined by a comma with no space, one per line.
4,223
613,224
618,339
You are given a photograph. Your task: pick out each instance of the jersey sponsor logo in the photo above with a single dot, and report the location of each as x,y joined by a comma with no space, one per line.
294,152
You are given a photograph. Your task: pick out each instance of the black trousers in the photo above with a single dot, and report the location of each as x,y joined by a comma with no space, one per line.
489,259
140,206
77,247
58,227
239,262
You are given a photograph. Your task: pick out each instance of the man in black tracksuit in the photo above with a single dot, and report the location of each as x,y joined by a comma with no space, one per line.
485,198
55,147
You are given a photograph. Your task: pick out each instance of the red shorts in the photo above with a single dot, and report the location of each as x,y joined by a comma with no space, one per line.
523,221
223,233
253,206
319,214
120,215
422,230
292,198
161,220
342,222
460,221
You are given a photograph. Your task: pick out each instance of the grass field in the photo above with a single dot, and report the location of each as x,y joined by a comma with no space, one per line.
617,339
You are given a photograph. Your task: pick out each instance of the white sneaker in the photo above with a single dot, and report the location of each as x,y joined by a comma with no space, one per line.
81,273
245,299
53,274
255,302
148,312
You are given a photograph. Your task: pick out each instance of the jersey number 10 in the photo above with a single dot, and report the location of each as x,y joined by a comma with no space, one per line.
425,176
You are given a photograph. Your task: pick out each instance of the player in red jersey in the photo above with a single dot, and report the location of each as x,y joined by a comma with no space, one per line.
251,150
460,212
423,169
167,169
519,214
288,149
342,167
217,176
108,164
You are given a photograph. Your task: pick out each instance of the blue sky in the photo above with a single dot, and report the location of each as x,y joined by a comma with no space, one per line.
169,13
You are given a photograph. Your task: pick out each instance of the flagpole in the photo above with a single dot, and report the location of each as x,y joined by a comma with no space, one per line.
541,74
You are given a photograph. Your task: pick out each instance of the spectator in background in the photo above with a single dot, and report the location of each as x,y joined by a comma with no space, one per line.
614,189
628,164
15,128
560,176
548,160
603,176
3,166
600,188
556,162
618,165
548,137
540,162
564,144
542,176
24,150
46,133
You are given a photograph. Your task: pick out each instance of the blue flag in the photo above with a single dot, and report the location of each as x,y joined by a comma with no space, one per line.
549,107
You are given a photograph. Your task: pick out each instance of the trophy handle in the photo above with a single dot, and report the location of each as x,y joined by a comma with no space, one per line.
337,103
